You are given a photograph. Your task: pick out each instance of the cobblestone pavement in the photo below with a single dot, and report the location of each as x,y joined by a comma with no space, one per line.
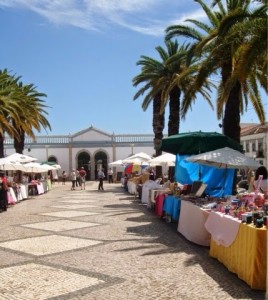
86,244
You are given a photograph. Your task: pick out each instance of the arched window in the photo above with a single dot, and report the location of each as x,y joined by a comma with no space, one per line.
52,159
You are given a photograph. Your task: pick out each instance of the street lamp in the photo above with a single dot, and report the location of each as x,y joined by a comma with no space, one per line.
46,146
132,145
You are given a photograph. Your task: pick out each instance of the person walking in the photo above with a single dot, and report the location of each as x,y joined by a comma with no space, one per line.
3,193
64,176
82,174
73,179
110,175
101,176
78,179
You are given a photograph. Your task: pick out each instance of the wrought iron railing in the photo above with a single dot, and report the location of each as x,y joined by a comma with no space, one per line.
66,139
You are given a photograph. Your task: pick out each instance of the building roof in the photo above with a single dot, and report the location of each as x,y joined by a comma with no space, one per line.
253,128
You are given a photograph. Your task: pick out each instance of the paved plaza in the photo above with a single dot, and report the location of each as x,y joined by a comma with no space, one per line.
87,244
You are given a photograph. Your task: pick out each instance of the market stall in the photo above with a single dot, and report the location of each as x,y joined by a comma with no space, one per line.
241,247
191,223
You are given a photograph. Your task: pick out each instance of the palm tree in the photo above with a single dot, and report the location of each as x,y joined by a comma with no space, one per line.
21,111
9,106
149,76
219,57
33,116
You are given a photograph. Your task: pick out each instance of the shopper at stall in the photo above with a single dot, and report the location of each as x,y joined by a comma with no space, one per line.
101,176
3,193
263,187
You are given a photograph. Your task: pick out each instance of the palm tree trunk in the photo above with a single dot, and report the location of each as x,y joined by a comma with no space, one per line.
158,124
174,111
19,142
2,154
158,127
231,120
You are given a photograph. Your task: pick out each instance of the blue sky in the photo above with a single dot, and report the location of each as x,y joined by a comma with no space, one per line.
83,54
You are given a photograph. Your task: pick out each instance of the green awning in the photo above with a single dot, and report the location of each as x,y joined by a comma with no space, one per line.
197,142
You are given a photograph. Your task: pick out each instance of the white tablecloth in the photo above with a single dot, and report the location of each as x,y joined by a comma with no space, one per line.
192,223
40,188
132,187
24,191
223,228
148,185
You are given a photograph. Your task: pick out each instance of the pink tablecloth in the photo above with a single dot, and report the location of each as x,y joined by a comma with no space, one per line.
192,223
159,201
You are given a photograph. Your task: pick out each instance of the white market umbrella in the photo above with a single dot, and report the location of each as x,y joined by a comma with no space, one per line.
34,167
21,158
117,163
9,165
225,158
51,165
138,158
165,160
56,166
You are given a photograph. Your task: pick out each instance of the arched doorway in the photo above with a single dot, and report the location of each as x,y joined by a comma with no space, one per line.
83,160
100,162
52,159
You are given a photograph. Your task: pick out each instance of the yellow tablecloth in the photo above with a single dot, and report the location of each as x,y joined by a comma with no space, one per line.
246,256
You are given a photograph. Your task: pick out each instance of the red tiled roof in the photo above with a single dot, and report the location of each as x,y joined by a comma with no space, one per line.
253,128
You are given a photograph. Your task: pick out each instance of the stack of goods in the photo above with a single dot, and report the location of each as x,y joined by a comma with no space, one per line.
249,208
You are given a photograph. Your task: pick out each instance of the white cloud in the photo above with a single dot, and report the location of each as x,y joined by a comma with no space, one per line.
143,16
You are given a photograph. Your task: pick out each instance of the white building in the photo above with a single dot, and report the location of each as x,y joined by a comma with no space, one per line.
90,148
254,139
93,148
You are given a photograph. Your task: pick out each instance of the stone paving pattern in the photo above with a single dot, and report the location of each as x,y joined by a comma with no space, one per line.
87,245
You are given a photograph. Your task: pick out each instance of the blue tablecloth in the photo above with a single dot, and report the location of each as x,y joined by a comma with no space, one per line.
172,207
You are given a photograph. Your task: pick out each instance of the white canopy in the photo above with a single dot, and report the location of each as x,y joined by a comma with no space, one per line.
165,160
21,158
225,158
34,167
10,165
138,158
117,163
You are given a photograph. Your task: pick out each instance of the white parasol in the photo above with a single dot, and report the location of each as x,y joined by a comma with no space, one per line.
225,158
9,165
34,167
21,158
138,158
164,160
117,163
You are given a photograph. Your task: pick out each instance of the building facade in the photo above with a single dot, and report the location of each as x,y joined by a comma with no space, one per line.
93,148
254,139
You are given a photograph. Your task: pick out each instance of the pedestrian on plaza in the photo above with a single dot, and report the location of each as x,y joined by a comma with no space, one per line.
82,174
3,192
110,175
73,179
64,176
78,178
101,176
